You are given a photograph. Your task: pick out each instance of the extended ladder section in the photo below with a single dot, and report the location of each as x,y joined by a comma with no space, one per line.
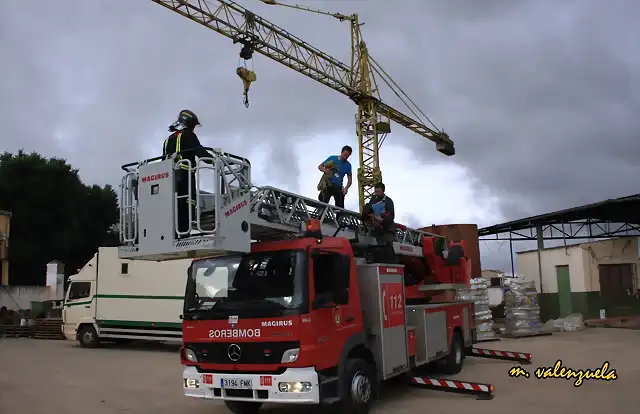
227,213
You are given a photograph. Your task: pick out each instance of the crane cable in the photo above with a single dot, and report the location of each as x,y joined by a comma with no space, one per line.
384,75
248,40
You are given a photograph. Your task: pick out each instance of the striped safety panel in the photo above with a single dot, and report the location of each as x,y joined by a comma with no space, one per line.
500,354
461,385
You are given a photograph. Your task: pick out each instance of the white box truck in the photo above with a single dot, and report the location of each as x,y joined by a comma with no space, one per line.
115,299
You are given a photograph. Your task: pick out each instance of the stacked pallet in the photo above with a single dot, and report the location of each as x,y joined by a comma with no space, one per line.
521,308
478,293
49,328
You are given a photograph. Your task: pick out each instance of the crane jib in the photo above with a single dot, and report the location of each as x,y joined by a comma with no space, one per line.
355,81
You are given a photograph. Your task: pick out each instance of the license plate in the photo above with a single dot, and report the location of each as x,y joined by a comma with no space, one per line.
236,384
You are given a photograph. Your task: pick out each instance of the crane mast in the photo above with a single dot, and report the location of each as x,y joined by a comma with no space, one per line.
355,81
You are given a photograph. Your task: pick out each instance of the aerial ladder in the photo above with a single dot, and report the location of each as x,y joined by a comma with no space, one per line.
357,80
228,219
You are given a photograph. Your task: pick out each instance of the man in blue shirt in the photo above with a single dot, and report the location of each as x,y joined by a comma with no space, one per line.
334,169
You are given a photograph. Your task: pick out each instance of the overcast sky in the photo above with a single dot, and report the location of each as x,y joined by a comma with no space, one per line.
541,97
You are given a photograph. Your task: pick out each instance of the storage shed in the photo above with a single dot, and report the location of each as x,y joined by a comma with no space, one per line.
586,278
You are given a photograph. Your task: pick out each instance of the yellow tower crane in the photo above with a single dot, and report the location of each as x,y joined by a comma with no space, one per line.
357,81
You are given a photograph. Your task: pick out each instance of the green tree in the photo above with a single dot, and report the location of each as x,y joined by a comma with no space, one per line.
55,216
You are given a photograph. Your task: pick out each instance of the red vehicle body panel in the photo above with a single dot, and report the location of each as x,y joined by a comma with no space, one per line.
324,332
455,318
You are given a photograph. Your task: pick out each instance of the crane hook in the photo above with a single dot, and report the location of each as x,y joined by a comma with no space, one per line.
248,77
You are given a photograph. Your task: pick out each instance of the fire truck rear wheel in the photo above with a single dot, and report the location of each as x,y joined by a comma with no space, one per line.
359,387
243,407
453,362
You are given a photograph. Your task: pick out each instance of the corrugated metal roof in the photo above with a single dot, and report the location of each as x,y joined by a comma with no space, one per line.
619,210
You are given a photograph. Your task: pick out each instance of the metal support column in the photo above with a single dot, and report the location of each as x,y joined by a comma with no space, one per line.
513,272
540,239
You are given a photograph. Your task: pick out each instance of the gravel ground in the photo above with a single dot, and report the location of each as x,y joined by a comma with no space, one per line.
39,376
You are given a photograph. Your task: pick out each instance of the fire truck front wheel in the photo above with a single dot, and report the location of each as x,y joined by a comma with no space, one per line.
359,387
243,407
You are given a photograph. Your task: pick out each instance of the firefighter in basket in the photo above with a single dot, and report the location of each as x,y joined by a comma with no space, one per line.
183,144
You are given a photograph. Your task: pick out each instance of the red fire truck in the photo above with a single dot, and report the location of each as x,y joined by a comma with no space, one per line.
290,300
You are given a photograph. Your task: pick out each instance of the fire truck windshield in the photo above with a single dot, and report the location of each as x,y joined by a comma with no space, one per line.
272,281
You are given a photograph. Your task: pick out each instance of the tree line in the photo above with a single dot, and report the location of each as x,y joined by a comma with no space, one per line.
55,216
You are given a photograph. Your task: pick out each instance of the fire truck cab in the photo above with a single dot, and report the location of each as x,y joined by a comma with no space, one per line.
288,299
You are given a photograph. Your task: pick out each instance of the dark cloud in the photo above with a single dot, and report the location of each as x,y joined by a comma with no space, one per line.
542,102
541,96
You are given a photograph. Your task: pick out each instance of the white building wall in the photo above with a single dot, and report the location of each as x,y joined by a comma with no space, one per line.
20,297
583,261
550,258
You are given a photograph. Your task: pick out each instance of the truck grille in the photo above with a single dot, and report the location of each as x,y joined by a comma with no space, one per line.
250,352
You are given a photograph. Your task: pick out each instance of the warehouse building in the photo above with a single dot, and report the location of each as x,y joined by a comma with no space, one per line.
586,278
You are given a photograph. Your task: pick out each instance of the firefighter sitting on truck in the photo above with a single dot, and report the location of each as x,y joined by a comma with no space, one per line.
380,213
181,140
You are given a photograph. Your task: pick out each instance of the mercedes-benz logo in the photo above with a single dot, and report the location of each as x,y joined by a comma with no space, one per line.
234,352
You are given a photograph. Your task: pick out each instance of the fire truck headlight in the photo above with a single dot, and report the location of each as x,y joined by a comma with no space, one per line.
191,383
290,355
190,355
294,386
